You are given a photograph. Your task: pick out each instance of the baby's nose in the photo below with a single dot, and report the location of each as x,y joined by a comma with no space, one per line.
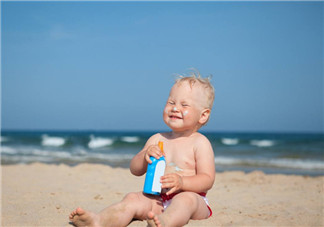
174,109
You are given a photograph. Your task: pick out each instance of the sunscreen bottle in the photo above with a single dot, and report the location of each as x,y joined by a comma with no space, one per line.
154,172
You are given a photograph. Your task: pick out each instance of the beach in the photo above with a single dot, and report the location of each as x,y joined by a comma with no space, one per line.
44,195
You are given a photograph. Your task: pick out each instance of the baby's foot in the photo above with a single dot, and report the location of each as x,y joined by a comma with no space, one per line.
80,217
153,220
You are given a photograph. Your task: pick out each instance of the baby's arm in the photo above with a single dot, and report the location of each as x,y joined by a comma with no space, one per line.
138,165
205,171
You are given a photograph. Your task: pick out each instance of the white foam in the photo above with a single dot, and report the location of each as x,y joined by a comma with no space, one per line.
97,142
8,150
52,141
110,157
230,141
279,163
31,154
297,164
226,161
57,154
80,152
130,139
262,143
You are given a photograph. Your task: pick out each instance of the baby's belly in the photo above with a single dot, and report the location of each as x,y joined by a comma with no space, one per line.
173,168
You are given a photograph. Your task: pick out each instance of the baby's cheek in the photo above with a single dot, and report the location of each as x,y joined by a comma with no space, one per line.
185,112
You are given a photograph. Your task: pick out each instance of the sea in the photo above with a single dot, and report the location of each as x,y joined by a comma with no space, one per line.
272,153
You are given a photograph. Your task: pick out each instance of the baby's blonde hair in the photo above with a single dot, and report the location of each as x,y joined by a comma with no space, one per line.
204,82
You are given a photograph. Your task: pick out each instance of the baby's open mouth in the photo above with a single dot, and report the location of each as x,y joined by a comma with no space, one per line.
175,117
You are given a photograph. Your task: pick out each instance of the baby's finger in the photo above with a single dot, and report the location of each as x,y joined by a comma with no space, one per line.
169,176
155,152
147,158
172,190
156,156
166,179
167,185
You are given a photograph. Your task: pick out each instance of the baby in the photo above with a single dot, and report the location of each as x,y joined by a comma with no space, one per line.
190,170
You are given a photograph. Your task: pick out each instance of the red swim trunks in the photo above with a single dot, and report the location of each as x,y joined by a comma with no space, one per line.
166,199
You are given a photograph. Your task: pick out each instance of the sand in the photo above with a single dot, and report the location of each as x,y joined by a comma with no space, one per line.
44,195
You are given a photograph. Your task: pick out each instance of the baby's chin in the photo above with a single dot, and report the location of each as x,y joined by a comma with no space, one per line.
174,126
172,123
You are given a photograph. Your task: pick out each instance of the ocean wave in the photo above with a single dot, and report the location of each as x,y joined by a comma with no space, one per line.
79,152
33,152
110,157
48,153
262,143
52,141
297,164
278,163
130,139
26,159
3,139
8,150
230,141
98,142
28,155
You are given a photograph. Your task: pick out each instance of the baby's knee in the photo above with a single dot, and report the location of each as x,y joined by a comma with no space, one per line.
190,198
131,197
138,203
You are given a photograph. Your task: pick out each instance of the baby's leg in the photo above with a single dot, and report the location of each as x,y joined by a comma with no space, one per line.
184,206
134,205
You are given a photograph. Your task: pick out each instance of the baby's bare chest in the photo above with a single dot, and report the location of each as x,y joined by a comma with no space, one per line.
181,161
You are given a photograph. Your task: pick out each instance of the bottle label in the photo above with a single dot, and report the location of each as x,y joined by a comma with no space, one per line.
159,172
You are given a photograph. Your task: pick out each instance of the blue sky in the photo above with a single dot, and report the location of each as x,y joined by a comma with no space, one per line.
110,65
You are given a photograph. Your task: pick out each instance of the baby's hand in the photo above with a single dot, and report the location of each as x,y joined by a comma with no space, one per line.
172,181
153,151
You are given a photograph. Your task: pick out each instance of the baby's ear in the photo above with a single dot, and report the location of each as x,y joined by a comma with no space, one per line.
204,116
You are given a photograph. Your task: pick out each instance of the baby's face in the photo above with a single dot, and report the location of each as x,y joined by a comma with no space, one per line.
184,106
